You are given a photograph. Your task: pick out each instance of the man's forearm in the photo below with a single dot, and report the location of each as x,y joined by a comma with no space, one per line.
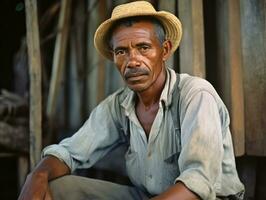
177,192
36,185
51,167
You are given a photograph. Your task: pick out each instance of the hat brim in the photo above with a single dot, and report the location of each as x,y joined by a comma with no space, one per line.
170,22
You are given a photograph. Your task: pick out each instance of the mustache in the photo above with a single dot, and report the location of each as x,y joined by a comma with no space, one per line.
136,71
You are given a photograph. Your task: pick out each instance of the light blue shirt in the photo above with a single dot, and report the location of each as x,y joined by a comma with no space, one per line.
200,154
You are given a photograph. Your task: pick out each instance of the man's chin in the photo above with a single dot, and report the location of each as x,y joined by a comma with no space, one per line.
137,88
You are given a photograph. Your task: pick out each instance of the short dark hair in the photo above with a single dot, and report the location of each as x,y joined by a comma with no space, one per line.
127,22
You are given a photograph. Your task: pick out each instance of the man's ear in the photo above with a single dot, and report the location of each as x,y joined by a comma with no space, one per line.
167,46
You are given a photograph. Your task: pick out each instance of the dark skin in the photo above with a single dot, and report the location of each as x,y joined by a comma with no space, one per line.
36,186
140,58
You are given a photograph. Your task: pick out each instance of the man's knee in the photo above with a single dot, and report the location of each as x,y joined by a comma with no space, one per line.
61,187
63,181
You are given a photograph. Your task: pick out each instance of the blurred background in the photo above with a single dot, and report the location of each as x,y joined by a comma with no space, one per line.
223,41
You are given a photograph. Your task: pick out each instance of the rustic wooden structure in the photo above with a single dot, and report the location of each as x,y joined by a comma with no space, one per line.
14,138
229,68
192,50
59,57
33,44
236,65
253,35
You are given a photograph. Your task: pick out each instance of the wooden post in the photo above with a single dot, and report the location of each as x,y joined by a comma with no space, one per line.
253,34
33,44
192,48
236,75
169,6
23,167
59,57
101,65
229,68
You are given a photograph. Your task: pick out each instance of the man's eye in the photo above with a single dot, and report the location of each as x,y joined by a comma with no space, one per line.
120,52
144,48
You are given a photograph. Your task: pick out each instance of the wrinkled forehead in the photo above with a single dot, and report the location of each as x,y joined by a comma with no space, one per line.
145,22
138,33
151,26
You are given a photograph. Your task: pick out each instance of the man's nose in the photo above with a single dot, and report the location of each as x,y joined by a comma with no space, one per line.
133,59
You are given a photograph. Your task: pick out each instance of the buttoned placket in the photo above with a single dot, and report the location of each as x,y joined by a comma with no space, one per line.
150,163
147,147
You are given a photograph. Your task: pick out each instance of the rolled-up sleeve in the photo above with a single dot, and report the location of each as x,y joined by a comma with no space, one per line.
201,140
91,142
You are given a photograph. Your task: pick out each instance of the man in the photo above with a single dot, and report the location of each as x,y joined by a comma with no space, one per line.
176,126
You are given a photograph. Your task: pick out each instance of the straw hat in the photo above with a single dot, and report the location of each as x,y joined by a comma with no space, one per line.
170,22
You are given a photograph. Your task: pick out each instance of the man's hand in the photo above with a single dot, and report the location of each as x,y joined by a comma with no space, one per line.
36,186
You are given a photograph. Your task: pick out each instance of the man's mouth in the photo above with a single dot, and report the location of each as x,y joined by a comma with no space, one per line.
135,73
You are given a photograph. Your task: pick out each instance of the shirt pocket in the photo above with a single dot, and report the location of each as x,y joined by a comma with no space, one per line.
170,159
170,171
132,166
172,147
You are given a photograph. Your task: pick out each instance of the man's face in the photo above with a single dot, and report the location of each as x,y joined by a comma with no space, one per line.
138,54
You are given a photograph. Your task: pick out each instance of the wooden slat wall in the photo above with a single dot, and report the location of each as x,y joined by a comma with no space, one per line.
253,33
101,63
236,76
169,6
229,67
93,22
192,50
81,47
77,67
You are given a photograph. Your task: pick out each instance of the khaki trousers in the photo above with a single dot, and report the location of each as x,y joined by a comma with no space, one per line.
72,187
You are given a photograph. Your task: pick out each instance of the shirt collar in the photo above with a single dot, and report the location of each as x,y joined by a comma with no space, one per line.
166,97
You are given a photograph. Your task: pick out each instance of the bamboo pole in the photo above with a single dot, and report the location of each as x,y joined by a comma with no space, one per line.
59,57
34,54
